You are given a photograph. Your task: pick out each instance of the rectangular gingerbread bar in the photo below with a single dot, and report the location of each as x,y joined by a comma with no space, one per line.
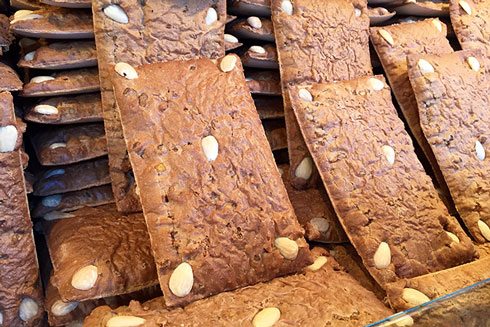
453,92
312,40
207,178
323,295
385,201
100,252
62,145
61,55
55,206
72,109
393,43
75,177
314,211
21,302
53,23
407,293
162,28
76,81
471,23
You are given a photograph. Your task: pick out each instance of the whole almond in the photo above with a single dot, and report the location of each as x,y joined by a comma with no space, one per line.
255,22
210,147
288,248
181,280
85,278
474,63
257,49
304,169
28,309
52,201
382,256
8,138
230,38
480,150
266,317
287,7
29,56
453,236
41,79
305,95
425,66
46,109
126,70
60,308
484,229
414,297
211,16
318,263
437,24
57,145
376,84
320,224
125,321
116,13
387,36
228,63
466,6
389,153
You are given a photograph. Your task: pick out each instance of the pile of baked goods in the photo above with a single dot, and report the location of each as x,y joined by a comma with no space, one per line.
243,162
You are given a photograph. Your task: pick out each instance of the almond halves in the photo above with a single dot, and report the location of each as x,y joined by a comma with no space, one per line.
266,317
181,280
288,248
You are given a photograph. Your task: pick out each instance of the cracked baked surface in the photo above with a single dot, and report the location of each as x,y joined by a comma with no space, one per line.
451,103
321,41
157,31
19,276
221,217
302,299
117,244
9,81
377,185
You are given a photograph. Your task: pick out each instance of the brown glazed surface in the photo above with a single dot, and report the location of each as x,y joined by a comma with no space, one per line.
452,104
243,30
377,201
326,297
82,108
117,244
314,203
91,197
472,31
19,277
321,41
63,55
9,81
74,177
157,31
221,217
267,60
56,23
66,82
421,37
83,142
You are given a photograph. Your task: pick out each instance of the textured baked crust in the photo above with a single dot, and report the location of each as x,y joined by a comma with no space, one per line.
86,307
19,277
326,297
69,3
250,7
117,244
421,37
472,31
243,30
157,31
66,82
231,46
269,107
74,177
194,208
440,283
321,41
83,142
314,203
82,108
9,81
63,55
266,60
377,201
65,202
56,23
452,104
266,82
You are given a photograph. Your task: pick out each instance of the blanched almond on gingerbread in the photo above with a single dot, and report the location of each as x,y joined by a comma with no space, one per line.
228,63
474,63
60,308
29,56
257,49
116,13
8,138
211,16
181,280
320,224
255,22
287,247
28,309
230,38
57,145
389,153
126,70
125,321
287,7
437,24
266,317
387,36
210,147
484,229
358,12
305,95
414,297
453,236
382,256
85,278
41,79
425,66
52,201
318,263
376,84
304,169
46,109
479,150
466,6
